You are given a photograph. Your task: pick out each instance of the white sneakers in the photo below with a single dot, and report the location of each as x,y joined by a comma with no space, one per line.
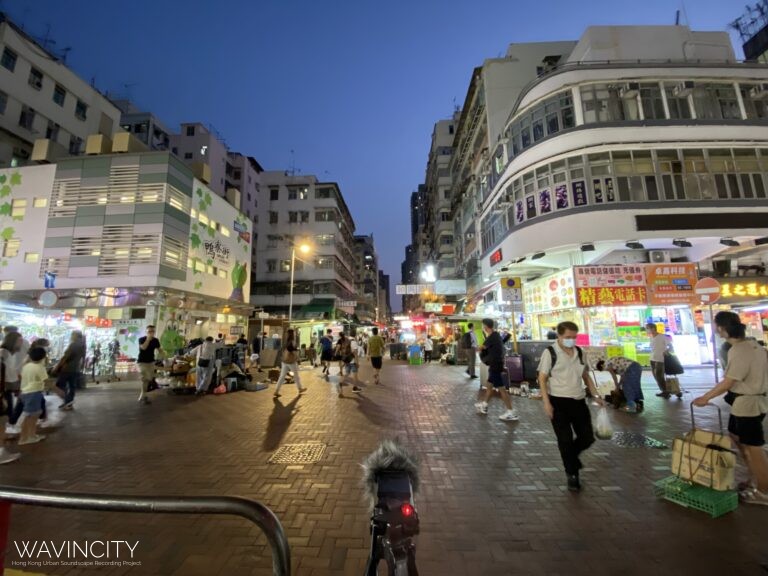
7,456
34,440
482,407
510,416
11,430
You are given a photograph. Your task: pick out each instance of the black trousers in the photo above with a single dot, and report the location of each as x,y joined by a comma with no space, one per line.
572,418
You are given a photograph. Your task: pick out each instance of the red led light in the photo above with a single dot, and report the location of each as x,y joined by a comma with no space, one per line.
407,510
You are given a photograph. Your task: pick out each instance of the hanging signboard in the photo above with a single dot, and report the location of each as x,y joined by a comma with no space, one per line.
610,285
670,284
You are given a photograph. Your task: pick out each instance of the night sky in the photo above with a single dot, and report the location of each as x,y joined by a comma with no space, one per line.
353,88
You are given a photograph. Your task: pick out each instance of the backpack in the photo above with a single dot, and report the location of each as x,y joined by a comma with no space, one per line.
553,355
466,340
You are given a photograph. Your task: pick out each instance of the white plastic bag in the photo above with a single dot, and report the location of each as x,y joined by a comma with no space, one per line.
604,428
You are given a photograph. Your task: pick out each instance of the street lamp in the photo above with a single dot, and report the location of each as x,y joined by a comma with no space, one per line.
304,249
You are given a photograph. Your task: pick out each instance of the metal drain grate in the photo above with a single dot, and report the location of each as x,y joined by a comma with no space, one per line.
633,440
307,453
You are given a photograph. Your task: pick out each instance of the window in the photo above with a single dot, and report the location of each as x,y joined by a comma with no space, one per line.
40,202
679,108
274,194
285,265
35,78
27,117
81,110
445,216
237,174
653,105
324,239
52,131
323,193
325,216
271,265
203,218
74,145
7,284
190,130
324,263
272,240
225,231
272,217
11,248
187,155
293,217
9,59
59,94
3,101
304,217
222,274
18,208
446,240
32,257
716,102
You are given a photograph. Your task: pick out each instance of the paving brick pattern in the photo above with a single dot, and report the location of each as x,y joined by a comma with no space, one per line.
492,498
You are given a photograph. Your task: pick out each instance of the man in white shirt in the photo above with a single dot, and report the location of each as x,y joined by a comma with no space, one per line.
659,346
562,374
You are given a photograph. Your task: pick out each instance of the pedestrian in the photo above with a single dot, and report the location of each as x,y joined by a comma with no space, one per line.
470,345
205,355
312,353
428,347
745,385
723,318
69,369
258,346
659,347
241,352
220,340
10,365
376,353
326,352
33,377
341,343
146,362
349,358
562,371
492,355
290,358
628,386
551,334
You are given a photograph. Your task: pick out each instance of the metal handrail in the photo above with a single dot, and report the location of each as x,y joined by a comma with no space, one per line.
251,510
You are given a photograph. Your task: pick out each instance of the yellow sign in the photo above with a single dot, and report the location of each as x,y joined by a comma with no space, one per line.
744,289
511,282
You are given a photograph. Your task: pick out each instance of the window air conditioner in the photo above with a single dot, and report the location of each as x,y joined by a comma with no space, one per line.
683,89
659,256
629,91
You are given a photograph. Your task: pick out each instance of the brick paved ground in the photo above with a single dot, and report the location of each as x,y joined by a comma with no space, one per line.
492,500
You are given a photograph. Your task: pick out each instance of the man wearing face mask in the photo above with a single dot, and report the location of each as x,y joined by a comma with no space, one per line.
492,354
562,376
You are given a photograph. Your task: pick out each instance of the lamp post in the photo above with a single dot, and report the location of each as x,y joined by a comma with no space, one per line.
304,249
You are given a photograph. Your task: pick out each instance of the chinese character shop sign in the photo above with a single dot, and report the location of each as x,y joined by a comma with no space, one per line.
610,286
744,289
670,284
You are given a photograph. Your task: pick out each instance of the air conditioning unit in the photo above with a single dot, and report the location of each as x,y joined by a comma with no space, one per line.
759,92
470,235
659,256
683,89
629,90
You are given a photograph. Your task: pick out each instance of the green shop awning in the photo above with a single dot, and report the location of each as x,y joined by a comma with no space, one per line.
317,310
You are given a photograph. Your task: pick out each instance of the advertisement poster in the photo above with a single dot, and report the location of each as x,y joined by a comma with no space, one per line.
597,184
610,285
519,212
545,201
553,292
670,284
579,190
561,196
530,207
609,195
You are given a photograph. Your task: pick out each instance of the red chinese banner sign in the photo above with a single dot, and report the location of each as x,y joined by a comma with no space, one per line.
610,285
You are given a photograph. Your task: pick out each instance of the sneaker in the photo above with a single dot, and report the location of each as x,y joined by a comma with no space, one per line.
34,440
356,389
744,486
12,430
67,406
573,483
664,395
47,423
754,496
7,456
510,416
482,407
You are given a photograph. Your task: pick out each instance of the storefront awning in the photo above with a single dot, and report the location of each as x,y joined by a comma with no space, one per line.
317,310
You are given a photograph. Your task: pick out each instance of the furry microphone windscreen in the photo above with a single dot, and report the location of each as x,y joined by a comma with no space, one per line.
389,456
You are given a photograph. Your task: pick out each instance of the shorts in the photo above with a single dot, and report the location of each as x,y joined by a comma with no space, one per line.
326,355
13,386
748,429
496,379
350,368
33,402
376,362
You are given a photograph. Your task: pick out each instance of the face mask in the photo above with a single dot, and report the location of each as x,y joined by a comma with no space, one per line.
569,342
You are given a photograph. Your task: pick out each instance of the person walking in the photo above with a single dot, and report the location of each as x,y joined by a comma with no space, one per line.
429,345
659,347
492,355
258,346
470,344
9,376
349,357
312,353
241,352
33,377
205,355
69,369
290,361
326,352
376,353
148,344
745,386
562,374
628,386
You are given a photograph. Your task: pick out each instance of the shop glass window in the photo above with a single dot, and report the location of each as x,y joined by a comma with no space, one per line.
653,105
8,59
271,265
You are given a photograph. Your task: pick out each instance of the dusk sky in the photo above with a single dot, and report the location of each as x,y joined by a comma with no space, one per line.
353,88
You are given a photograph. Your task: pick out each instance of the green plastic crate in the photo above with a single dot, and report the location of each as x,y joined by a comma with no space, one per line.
414,360
713,502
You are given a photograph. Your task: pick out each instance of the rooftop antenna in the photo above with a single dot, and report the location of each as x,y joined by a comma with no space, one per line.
292,169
